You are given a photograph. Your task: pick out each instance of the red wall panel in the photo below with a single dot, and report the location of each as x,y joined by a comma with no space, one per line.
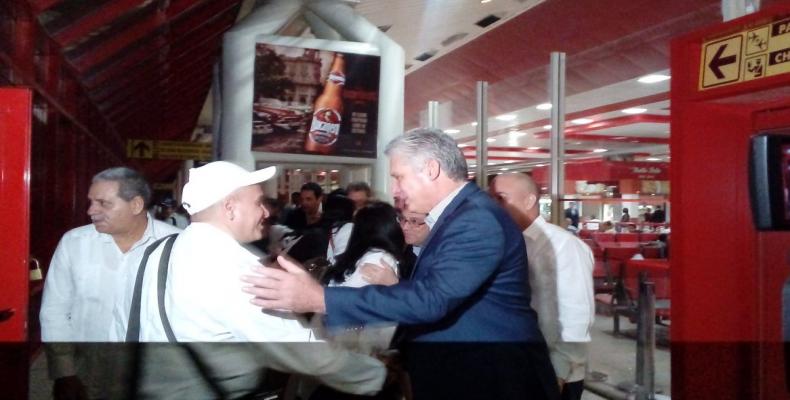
726,277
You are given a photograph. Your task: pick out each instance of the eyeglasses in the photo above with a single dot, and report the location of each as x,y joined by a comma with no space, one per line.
410,221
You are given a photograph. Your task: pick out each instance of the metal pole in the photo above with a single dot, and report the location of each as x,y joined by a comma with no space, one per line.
433,114
216,108
645,340
482,134
557,151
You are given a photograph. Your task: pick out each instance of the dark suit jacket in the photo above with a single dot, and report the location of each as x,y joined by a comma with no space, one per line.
469,287
573,214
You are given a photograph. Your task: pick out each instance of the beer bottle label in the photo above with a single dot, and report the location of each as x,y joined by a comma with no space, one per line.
325,127
337,78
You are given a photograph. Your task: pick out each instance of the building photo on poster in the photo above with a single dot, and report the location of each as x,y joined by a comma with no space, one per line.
314,101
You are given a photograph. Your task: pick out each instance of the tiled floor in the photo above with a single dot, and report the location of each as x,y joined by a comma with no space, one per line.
615,357
612,358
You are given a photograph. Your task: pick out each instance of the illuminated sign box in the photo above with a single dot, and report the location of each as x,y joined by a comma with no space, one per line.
315,96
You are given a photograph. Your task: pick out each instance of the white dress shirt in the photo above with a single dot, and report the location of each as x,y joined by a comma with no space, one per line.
373,256
560,276
370,339
204,303
438,209
86,277
338,241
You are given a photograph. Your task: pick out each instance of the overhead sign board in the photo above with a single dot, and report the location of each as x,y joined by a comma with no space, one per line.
753,53
168,150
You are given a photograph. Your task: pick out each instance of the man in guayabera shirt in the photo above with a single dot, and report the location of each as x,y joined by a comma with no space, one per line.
87,276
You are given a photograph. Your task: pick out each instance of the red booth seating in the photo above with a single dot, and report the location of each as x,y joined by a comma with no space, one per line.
585,234
648,237
652,252
619,254
627,237
614,257
656,271
603,280
601,237
597,252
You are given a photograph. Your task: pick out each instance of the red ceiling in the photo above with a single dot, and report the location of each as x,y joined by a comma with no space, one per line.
605,42
143,68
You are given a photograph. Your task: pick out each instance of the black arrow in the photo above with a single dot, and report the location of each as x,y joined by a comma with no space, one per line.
141,148
717,62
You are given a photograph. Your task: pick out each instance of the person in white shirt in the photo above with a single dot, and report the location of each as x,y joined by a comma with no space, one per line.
560,275
87,276
204,303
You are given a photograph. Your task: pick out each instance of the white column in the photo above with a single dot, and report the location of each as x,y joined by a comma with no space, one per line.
238,73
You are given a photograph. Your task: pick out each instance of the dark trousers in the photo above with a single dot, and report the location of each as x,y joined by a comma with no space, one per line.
497,371
572,390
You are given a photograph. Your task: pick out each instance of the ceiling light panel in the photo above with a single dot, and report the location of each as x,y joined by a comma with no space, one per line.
653,78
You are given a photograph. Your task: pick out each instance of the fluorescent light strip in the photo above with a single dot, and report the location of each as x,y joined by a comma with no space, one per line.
653,78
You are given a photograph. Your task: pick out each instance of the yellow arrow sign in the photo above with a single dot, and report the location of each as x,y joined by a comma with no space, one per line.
754,53
136,148
168,150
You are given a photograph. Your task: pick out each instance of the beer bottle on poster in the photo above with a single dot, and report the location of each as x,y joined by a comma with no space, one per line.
328,111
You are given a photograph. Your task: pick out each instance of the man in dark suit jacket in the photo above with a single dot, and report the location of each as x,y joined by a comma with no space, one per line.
467,325
573,213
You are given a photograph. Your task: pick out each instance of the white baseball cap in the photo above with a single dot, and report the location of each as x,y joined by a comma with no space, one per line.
212,182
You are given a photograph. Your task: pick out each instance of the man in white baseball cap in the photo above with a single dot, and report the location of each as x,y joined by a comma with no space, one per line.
203,301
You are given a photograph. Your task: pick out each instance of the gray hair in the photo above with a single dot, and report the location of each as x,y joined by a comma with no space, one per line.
130,183
422,144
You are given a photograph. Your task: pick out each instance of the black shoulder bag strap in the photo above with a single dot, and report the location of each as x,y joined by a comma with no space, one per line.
133,331
133,326
161,286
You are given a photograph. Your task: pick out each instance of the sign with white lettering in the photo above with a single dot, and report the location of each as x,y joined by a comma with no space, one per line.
753,53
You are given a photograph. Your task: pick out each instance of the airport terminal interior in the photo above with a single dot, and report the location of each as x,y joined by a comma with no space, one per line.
656,134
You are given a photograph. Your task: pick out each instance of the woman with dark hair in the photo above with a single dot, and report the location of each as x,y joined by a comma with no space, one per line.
376,242
338,212
375,237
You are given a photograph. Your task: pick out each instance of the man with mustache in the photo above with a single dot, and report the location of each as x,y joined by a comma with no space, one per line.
88,274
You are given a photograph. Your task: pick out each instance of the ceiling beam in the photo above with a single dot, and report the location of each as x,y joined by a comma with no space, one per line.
157,84
94,20
40,6
149,55
151,25
207,53
154,102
